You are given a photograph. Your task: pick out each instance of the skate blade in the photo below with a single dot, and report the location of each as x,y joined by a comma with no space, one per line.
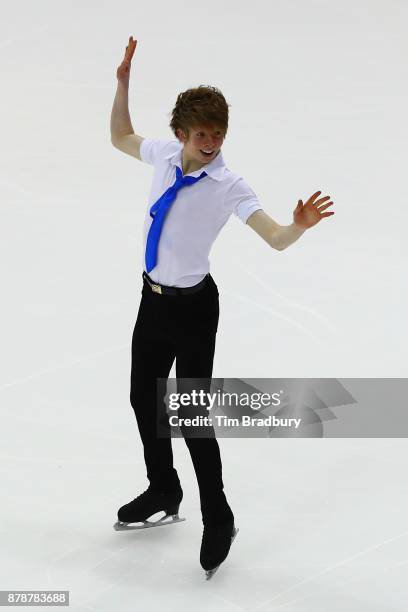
174,518
210,573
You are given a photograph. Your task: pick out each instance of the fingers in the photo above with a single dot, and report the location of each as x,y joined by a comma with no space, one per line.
324,206
312,197
130,49
318,203
321,200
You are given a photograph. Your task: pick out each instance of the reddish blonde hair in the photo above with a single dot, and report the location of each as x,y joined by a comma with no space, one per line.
202,105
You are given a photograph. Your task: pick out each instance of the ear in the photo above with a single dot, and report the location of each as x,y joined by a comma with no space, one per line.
180,135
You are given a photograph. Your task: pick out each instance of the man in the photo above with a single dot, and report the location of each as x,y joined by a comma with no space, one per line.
193,194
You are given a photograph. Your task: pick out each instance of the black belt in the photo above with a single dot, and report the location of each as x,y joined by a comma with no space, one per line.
166,290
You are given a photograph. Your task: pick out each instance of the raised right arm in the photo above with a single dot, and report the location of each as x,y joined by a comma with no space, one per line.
123,136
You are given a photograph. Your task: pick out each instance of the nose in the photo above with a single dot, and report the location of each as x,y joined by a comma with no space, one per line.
210,145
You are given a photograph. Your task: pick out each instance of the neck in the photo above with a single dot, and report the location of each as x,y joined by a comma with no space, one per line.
189,165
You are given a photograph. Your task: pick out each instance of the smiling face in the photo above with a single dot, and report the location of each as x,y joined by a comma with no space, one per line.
203,144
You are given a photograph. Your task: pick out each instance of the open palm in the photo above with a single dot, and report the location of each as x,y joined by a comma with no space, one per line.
311,212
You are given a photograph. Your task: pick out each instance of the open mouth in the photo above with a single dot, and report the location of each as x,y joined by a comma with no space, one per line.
206,153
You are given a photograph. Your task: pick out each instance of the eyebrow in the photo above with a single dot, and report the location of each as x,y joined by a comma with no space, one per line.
203,130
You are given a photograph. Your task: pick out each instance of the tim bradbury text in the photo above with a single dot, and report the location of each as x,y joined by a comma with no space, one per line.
244,421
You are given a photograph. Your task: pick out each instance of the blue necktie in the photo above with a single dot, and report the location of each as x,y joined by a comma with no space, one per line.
158,212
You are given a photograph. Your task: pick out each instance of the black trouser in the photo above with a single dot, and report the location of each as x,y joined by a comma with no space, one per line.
181,327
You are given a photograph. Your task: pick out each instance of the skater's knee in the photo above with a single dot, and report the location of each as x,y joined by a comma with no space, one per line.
145,400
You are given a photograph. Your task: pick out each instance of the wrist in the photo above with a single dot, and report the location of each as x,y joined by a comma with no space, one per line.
123,86
298,228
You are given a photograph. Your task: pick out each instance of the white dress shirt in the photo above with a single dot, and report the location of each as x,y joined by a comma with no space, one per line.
196,216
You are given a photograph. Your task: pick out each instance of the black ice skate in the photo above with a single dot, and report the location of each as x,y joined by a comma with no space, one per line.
145,505
215,546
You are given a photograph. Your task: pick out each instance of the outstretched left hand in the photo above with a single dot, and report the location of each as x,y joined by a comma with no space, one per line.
308,214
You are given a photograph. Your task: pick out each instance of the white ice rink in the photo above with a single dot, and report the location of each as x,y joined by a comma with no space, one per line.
318,100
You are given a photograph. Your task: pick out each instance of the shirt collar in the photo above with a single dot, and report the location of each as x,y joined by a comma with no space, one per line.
215,169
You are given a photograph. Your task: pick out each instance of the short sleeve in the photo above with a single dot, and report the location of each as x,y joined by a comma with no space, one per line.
243,200
153,150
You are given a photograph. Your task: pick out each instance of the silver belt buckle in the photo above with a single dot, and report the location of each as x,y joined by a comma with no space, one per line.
156,288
